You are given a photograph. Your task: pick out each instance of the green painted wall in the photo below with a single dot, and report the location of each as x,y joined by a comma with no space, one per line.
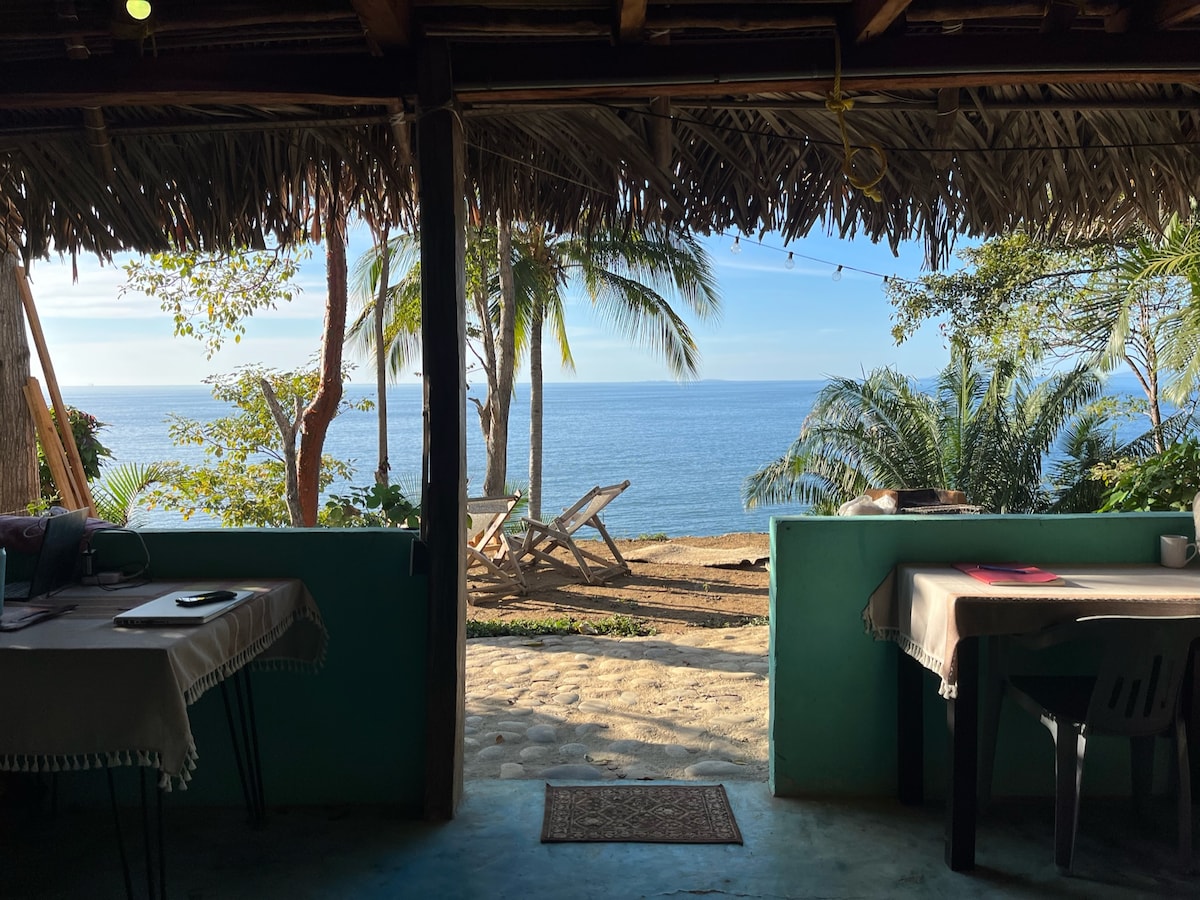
833,703
353,732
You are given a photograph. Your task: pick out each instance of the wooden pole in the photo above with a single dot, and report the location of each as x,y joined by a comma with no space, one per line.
81,494
52,448
444,496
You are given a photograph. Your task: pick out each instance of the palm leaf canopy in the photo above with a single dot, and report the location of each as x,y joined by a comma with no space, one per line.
218,125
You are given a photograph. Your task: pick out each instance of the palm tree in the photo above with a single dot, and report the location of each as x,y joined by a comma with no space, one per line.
626,274
1175,254
120,489
986,434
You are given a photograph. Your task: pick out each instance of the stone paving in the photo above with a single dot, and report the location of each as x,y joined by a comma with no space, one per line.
579,707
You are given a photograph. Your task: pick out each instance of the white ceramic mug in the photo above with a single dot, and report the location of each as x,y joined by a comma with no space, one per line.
1175,551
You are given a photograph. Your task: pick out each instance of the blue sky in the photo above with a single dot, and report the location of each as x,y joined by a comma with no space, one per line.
777,324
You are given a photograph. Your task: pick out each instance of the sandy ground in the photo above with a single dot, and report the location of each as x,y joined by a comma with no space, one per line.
671,594
688,702
690,705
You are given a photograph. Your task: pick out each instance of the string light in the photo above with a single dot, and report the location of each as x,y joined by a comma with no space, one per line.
792,255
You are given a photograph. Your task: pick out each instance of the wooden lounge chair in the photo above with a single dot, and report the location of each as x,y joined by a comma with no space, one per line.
492,563
542,538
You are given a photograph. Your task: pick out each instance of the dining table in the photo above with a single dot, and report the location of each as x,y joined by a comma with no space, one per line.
938,614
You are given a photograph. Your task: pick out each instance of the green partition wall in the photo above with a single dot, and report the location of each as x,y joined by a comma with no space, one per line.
833,696
354,732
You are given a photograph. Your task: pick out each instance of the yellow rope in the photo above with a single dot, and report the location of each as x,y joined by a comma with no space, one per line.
837,104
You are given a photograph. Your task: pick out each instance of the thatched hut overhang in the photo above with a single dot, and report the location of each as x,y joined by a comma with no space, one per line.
212,124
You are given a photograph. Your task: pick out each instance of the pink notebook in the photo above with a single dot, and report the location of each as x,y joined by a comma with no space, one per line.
1008,573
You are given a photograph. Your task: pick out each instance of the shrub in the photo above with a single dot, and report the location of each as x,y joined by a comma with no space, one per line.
1165,481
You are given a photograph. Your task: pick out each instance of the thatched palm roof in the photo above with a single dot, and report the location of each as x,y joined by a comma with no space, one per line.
220,123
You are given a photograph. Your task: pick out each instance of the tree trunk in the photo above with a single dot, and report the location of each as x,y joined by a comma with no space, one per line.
324,406
287,430
506,351
18,440
381,473
535,411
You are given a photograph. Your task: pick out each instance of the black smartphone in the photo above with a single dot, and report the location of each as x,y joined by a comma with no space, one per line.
205,598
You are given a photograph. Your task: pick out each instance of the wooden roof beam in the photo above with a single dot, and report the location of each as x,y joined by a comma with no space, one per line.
1176,12
960,11
540,70
631,19
387,23
873,17
1060,16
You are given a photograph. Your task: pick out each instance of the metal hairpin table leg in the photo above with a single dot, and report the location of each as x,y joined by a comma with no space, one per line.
112,795
150,840
245,750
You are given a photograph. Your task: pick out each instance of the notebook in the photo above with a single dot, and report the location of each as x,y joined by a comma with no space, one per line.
1008,574
57,558
165,611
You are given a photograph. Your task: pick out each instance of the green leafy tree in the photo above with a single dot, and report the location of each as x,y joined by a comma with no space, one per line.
1035,300
85,428
249,477
374,506
1165,481
211,295
1171,258
984,433
242,288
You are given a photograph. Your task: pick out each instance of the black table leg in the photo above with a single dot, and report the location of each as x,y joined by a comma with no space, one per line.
910,730
962,722
244,741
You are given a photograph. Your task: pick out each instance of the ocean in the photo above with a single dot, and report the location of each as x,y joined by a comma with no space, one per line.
685,448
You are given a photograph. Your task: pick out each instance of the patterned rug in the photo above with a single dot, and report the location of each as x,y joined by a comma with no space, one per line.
659,814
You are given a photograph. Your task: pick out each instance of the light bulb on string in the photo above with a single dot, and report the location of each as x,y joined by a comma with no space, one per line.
790,262
138,9
736,247
837,274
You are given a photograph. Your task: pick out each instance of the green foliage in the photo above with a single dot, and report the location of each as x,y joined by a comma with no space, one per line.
243,480
85,428
1165,481
622,626
1013,298
118,492
655,536
986,433
374,506
1099,304
211,295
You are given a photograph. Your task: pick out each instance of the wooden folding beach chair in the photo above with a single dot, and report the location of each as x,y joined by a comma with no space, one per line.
542,539
492,555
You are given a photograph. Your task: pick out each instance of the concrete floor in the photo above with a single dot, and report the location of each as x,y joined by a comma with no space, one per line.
793,849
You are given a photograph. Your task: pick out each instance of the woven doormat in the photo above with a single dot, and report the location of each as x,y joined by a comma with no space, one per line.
657,814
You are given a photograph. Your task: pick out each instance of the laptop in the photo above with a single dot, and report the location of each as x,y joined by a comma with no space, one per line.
57,559
165,611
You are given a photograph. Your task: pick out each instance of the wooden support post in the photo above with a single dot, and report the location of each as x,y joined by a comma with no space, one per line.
444,491
82,495
52,448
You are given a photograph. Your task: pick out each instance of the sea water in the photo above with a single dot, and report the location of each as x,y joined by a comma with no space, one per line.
685,448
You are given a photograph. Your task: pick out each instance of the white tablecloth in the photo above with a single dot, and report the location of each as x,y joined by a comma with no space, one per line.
77,692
